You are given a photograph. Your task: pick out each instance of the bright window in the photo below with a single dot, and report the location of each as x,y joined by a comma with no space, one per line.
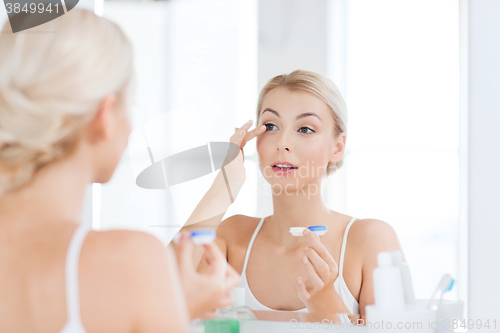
402,97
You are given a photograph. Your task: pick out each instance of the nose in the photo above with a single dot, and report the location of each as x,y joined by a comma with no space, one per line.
282,144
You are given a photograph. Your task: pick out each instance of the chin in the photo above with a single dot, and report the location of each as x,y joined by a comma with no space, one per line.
290,183
293,183
104,176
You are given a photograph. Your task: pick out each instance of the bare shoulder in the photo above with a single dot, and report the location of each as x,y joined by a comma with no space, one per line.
237,228
371,236
234,235
239,220
120,244
124,255
132,274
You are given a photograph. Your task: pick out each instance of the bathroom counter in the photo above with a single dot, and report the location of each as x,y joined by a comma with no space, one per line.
264,326
280,322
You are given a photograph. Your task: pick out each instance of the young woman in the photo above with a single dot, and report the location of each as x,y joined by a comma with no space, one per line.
301,136
64,95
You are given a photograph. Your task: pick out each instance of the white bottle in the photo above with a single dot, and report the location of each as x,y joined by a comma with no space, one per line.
387,284
397,259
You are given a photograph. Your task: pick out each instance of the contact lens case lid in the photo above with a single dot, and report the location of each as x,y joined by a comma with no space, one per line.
319,230
202,232
297,231
202,236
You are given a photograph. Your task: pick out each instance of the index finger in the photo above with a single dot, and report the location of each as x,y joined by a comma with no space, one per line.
240,133
217,260
316,244
253,133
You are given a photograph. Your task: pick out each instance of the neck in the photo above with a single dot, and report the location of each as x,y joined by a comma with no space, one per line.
302,208
54,194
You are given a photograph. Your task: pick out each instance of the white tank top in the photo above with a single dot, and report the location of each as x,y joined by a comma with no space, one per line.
339,284
74,322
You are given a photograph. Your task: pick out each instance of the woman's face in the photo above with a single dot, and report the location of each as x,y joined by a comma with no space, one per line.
300,131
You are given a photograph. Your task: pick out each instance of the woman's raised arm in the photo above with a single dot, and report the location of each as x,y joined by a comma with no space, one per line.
210,210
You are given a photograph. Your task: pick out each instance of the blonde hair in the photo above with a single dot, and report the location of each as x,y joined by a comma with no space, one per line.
53,78
321,87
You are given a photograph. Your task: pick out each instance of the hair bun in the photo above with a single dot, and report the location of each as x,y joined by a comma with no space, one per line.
46,100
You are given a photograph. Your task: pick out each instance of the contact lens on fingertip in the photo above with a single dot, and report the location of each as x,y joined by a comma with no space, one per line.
318,230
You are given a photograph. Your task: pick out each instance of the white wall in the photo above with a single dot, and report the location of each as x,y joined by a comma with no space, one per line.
403,104
484,159
292,35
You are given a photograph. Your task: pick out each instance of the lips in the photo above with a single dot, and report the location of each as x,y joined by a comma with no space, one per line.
280,164
283,167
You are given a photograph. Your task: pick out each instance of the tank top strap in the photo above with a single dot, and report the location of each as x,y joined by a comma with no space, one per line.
342,251
72,285
249,248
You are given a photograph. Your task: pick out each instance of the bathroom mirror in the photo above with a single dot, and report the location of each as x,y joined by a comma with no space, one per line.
397,65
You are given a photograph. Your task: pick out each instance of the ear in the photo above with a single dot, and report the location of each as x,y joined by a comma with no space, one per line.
101,126
338,148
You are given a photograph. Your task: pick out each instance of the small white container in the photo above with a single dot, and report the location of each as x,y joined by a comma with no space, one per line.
297,231
387,284
415,318
448,310
318,230
397,260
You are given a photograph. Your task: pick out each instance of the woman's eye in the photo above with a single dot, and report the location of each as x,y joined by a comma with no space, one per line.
267,126
307,128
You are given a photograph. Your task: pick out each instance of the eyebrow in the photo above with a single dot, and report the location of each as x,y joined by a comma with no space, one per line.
303,115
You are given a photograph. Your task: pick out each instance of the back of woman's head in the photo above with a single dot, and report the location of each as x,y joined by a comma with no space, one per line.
53,78
322,88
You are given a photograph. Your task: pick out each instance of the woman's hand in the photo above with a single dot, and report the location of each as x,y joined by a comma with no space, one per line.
317,290
205,292
241,135
232,175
